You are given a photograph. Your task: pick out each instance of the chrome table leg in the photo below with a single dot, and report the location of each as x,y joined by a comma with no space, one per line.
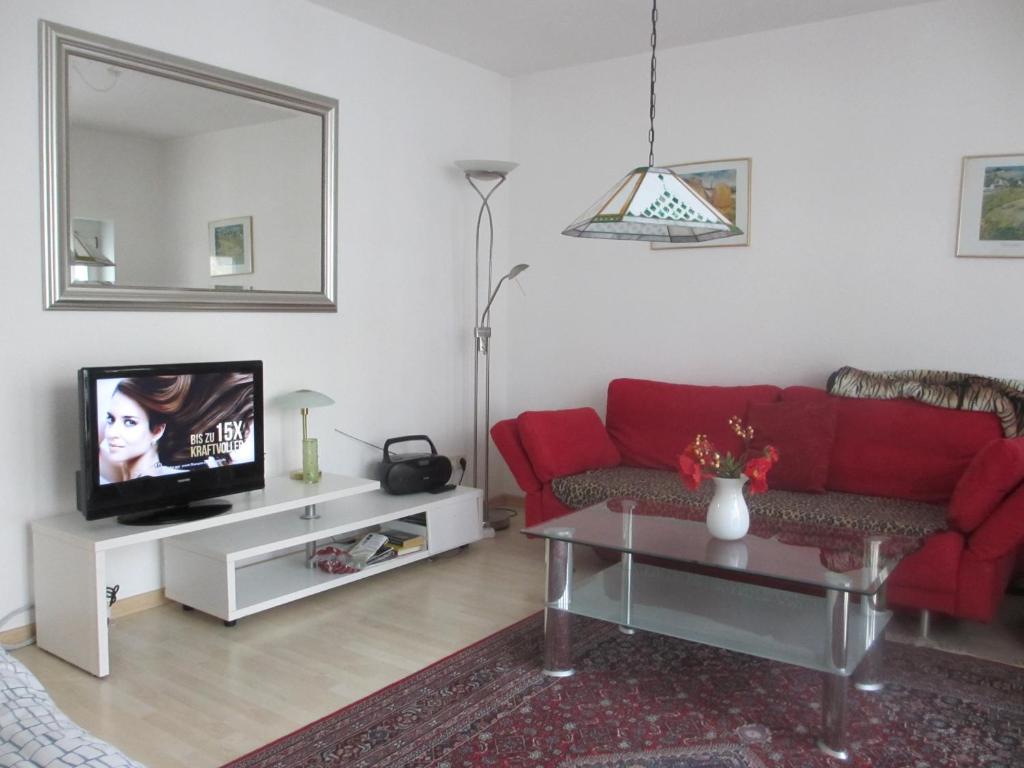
868,675
834,716
833,707
626,599
557,639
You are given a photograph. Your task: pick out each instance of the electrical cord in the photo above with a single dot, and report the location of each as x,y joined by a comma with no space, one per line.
8,617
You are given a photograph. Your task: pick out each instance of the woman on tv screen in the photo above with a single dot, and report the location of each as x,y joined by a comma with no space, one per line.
160,425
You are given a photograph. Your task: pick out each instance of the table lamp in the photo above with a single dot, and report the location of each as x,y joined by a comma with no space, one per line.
304,399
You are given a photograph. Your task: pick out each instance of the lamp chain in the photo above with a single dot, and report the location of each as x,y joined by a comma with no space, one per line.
654,76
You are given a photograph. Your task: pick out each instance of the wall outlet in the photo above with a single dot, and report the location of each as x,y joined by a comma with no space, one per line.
459,468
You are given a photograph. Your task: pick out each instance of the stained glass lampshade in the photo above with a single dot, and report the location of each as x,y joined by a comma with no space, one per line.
653,204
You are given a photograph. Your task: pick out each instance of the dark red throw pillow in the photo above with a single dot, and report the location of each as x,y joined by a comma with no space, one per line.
561,443
995,471
803,433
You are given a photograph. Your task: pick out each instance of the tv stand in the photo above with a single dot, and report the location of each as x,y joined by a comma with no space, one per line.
179,513
69,557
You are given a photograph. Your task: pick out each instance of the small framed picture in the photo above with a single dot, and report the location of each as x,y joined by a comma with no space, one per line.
992,206
726,185
231,246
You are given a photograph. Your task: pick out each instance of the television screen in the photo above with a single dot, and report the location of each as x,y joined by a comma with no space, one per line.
160,437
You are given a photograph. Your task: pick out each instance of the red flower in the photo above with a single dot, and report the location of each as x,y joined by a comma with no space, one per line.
700,460
757,470
690,471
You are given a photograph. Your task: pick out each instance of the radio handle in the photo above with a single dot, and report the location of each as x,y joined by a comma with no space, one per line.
407,439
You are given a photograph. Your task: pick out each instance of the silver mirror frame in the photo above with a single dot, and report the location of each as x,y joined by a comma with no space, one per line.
56,43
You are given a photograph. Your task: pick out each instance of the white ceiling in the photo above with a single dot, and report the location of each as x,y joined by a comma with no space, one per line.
517,37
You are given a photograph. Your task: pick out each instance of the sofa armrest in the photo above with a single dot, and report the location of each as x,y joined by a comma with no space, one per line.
993,474
506,438
1002,533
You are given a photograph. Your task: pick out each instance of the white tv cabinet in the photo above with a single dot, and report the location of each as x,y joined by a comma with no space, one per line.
69,554
242,569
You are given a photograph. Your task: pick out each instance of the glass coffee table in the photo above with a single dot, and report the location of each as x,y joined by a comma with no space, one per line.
804,595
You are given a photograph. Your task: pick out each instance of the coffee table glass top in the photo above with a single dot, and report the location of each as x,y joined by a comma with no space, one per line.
828,558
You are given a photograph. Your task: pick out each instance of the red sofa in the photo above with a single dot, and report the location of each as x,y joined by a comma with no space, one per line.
953,467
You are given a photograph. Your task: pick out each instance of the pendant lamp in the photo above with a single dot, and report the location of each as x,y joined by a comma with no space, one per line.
653,203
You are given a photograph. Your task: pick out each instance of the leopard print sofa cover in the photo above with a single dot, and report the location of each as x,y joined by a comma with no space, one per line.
854,512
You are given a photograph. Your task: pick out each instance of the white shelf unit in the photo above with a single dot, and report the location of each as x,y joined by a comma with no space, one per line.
69,553
239,570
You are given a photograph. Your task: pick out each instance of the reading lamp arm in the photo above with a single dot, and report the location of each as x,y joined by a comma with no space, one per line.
514,272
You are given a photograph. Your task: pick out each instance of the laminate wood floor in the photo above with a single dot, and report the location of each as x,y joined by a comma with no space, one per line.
187,692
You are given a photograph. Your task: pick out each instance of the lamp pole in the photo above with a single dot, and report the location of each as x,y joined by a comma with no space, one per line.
484,171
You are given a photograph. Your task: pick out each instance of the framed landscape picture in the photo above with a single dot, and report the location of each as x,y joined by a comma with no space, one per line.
992,206
726,185
231,246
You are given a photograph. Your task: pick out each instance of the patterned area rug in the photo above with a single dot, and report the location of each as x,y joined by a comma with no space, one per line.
648,701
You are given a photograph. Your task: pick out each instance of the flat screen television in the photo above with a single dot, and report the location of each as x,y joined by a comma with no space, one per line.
158,442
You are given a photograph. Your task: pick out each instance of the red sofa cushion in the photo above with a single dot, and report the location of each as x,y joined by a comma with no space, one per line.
997,469
803,434
900,448
651,422
565,442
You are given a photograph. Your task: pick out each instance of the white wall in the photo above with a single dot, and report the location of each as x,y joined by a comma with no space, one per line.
397,356
856,128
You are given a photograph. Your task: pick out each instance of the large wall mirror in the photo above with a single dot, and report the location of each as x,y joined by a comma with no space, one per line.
169,184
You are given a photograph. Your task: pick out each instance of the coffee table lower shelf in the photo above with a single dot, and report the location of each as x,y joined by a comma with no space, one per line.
761,621
828,633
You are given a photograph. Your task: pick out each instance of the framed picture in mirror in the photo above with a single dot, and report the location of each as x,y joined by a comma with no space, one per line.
231,246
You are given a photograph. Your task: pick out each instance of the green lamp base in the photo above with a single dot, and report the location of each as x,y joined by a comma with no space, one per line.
310,462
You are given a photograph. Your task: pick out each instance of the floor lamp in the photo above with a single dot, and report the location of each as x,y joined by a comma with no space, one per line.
476,172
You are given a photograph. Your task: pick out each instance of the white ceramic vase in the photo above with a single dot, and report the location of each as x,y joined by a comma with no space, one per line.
728,517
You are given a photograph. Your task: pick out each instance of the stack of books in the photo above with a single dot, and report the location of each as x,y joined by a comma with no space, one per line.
404,542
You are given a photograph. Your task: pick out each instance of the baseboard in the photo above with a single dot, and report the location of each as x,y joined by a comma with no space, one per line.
17,635
507,500
141,602
124,607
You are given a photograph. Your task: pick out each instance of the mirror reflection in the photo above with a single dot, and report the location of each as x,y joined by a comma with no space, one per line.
178,185
185,187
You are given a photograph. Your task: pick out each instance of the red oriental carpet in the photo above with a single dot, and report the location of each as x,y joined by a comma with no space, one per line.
648,701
